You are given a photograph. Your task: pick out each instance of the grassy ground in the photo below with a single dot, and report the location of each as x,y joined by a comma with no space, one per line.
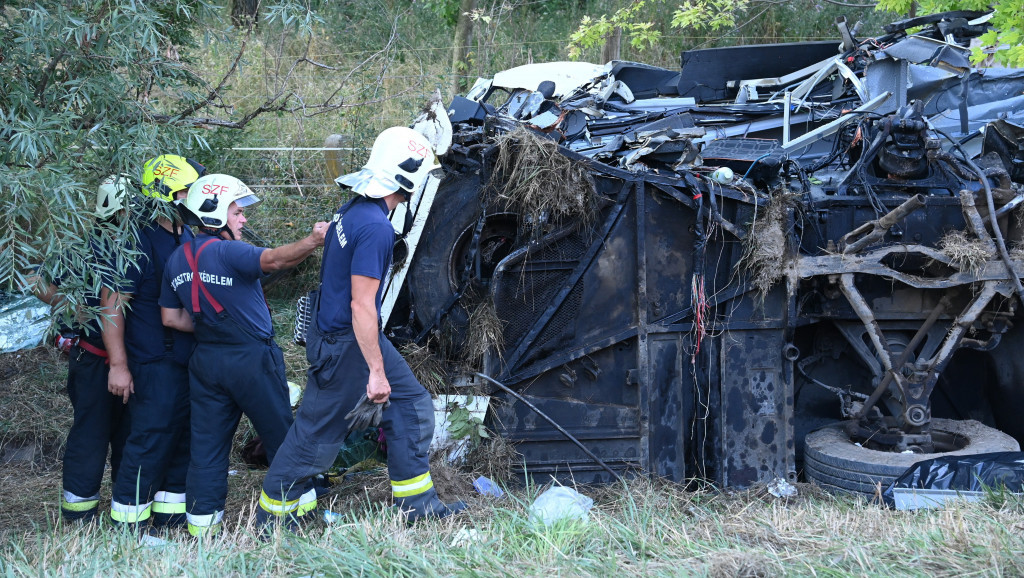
645,528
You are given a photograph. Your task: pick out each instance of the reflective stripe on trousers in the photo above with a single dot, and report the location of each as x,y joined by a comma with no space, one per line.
411,487
303,505
208,524
130,513
169,503
73,503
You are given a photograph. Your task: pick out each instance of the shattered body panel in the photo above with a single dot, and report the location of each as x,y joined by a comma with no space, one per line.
688,322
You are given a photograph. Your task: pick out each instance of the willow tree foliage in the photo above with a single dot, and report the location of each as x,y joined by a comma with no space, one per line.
87,89
90,88
1006,37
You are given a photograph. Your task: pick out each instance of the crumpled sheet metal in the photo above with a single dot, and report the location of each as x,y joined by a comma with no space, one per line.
960,474
24,321
614,100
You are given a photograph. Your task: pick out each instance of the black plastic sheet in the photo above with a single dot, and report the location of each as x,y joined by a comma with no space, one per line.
970,473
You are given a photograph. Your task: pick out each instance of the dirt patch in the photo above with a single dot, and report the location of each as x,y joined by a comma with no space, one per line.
35,413
742,564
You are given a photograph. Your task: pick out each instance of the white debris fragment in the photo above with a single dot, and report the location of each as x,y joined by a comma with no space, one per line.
464,537
780,488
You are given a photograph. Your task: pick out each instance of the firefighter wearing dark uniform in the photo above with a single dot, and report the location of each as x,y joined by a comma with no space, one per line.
99,420
148,364
212,287
348,353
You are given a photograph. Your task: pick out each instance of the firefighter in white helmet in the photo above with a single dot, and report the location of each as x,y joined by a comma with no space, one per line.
99,423
212,287
348,354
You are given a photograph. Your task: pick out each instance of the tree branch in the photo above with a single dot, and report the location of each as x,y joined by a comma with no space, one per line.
851,5
215,93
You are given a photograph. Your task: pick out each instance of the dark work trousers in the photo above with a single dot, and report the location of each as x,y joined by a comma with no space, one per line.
230,372
100,422
336,379
151,479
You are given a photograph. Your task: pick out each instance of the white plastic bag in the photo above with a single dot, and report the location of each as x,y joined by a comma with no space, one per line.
560,503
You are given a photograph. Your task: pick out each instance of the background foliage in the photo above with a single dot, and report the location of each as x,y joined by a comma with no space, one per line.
91,88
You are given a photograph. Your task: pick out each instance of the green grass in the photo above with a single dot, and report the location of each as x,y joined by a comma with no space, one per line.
645,528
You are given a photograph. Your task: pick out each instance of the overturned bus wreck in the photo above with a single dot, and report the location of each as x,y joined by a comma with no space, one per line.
776,259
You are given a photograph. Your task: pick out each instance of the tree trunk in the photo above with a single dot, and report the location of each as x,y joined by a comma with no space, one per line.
245,12
463,33
612,46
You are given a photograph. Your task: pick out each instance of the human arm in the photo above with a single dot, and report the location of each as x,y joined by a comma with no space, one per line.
177,319
47,293
292,254
119,379
367,332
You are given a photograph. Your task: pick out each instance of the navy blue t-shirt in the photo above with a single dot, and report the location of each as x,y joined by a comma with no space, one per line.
90,329
145,334
231,272
358,243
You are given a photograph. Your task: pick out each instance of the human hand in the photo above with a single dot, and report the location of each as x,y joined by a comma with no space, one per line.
120,382
378,389
319,232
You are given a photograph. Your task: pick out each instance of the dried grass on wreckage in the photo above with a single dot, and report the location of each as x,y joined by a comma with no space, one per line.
541,184
966,253
766,246
486,332
429,369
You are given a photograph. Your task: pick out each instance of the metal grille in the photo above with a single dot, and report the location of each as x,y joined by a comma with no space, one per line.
528,288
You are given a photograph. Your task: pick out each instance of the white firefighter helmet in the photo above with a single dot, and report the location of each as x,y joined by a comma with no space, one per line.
401,159
112,195
210,196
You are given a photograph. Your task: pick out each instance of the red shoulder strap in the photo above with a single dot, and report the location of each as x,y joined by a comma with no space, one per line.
197,283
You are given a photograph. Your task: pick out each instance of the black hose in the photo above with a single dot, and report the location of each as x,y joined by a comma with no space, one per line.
579,444
1000,242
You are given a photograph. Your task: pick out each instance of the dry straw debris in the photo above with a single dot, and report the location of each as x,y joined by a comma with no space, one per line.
540,183
428,368
765,247
964,252
485,332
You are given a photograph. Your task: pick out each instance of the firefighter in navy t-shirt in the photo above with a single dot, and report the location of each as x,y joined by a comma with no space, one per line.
99,418
148,363
348,353
212,287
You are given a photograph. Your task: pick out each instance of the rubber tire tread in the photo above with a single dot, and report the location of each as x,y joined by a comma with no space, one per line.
830,458
456,207
844,479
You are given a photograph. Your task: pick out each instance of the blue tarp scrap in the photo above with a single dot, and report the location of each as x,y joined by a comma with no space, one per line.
24,321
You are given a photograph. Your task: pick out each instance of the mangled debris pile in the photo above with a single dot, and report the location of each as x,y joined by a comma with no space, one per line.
674,261
781,101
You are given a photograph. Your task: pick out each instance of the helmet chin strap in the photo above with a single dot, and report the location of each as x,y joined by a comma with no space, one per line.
218,232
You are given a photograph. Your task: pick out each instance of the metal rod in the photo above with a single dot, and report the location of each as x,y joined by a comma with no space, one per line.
875,230
592,455
904,356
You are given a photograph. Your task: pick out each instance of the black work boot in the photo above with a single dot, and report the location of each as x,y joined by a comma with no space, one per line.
427,505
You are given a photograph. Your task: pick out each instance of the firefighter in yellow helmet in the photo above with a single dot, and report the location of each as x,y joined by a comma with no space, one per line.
148,363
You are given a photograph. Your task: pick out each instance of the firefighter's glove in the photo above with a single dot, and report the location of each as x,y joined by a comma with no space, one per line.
365,414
